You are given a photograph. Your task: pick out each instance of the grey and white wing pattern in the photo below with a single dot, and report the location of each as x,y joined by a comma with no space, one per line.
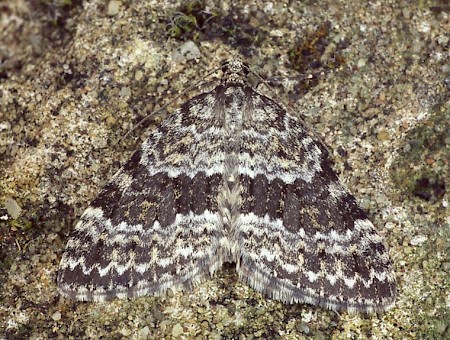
155,225
230,177
301,236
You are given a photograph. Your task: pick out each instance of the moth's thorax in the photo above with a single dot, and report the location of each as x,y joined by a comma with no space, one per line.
229,198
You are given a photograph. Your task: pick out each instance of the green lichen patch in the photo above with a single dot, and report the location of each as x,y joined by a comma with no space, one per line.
195,21
188,22
421,171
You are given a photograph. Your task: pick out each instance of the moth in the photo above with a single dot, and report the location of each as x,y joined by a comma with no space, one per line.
230,176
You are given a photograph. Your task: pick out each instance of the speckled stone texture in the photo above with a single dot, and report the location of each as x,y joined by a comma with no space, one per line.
76,77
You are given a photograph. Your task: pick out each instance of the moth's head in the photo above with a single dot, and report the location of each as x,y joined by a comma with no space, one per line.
234,70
